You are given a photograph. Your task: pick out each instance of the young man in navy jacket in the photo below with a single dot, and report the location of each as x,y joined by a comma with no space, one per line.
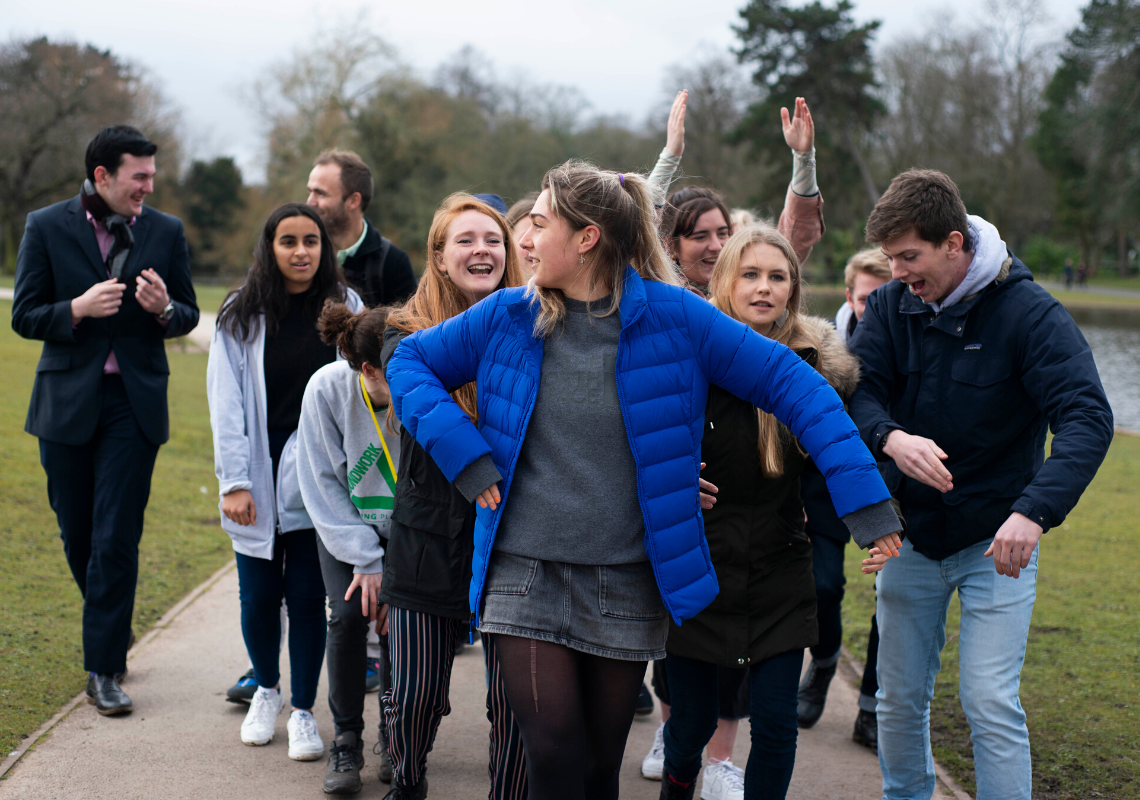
103,281
966,365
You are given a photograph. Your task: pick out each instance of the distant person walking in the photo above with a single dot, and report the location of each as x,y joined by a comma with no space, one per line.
103,281
967,364
264,350
1068,273
340,189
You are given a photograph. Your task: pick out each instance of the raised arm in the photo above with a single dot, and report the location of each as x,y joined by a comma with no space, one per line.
670,159
776,380
801,221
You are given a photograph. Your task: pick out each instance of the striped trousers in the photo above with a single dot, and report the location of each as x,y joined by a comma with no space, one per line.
422,650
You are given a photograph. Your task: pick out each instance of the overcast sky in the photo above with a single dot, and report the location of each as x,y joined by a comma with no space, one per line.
204,53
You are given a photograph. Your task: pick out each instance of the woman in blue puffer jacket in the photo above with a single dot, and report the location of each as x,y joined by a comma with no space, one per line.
592,388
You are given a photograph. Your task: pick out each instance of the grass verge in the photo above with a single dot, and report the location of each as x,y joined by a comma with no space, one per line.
41,658
1081,679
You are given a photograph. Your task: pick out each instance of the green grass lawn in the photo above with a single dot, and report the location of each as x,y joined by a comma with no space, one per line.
41,659
1081,682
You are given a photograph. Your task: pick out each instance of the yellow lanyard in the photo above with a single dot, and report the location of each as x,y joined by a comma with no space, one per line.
384,444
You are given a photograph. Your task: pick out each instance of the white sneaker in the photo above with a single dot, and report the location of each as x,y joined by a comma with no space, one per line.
723,781
654,762
305,743
257,729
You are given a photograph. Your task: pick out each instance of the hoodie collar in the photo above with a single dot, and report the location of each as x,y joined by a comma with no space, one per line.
989,254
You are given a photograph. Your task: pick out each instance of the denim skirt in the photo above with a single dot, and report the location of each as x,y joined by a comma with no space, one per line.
608,610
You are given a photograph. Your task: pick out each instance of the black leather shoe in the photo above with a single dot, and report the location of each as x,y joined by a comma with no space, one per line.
417,792
813,693
104,693
867,730
671,790
346,757
644,702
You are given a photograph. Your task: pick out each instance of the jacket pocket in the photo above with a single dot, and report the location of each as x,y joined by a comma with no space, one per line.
629,591
428,511
980,371
54,363
510,574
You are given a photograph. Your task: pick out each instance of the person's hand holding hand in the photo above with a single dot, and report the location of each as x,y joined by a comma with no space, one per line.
675,130
875,561
489,498
919,458
707,492
799,130
369,584
151,291
1013,544
101,300
238,506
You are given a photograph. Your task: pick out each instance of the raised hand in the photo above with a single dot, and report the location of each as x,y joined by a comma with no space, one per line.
151,291
799,130
101,300
675,131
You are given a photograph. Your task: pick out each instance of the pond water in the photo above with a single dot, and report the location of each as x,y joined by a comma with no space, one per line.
1113,335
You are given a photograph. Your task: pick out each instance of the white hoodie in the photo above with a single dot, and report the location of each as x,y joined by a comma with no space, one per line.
990,253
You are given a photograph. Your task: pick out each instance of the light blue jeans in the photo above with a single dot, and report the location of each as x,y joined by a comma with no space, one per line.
913,595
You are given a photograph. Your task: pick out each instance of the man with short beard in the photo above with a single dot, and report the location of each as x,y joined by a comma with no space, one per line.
967,363
103,281
340,189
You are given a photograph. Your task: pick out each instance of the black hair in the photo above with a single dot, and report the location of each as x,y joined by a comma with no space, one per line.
107,148
264,288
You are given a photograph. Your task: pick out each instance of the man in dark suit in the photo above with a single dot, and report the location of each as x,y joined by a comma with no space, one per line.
103,281
340,189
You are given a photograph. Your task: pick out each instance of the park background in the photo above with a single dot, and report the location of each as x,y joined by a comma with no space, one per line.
1040,127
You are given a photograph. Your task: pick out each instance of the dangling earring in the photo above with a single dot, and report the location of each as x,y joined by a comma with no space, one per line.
783,318
581,259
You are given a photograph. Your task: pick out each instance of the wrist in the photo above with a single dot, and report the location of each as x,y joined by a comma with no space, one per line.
76,311
887,449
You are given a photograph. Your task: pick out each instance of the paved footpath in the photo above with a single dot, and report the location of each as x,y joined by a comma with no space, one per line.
182,739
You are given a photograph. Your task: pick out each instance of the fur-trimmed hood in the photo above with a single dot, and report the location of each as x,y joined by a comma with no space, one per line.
818,343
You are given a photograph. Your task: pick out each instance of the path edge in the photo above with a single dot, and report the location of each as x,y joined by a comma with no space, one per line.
163,622
852,669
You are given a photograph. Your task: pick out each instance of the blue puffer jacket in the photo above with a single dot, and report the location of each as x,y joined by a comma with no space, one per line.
672,346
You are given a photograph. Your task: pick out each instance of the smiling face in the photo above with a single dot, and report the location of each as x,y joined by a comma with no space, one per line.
474,254
932,271
553,249
697,253
763,286
297,249
126,190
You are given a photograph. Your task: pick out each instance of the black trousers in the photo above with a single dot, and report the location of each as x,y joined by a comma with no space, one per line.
99,493
346,648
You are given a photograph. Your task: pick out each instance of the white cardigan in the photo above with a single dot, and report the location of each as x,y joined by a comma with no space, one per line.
235,388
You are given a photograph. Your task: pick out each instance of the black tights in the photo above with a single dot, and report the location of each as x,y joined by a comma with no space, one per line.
574,711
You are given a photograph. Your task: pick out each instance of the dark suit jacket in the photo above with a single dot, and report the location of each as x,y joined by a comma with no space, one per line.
380,284
58,261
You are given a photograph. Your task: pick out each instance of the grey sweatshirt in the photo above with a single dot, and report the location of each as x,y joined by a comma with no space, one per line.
342,467
574,492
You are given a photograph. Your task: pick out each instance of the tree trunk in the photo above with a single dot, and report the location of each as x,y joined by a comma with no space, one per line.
864,171
1122,253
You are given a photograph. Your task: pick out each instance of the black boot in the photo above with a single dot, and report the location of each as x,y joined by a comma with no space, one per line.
867,730
671,790
381,749
104,693
813,693
417,792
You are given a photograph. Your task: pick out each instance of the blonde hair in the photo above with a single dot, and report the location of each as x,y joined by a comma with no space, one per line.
437,298
867,262
773,435
621,208
741,218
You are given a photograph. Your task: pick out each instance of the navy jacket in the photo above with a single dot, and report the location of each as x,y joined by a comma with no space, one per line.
984,379
58,261
672,345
